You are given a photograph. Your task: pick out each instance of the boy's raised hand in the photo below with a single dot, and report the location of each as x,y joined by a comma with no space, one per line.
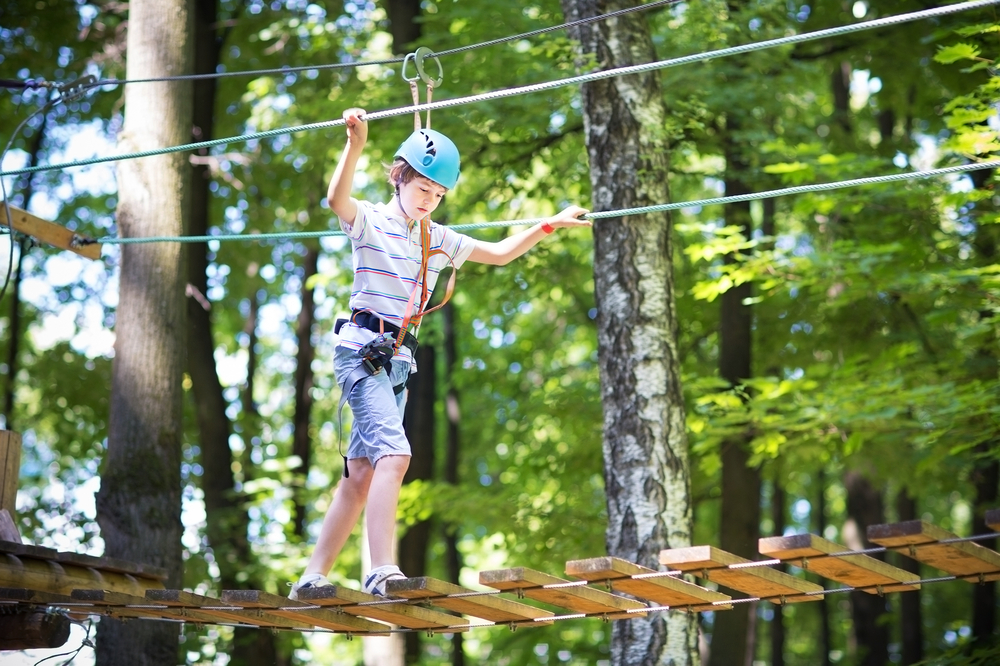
570,217
357,127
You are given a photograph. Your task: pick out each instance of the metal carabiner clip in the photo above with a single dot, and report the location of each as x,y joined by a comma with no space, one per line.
418,58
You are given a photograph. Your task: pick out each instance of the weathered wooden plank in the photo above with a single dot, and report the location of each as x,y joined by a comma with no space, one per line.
303,612
920,540
560,592
223,612
645,583
62,578
486,607
103,564
118,604
51,233
10,470
713,564
811,552
402,614
29,628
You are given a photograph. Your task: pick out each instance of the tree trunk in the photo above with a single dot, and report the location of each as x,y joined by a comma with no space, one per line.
778,511
420,431
864,508
732,637
453,414
825,638
910,618
13,350
301,441
403,25
226,519
139,504
985,478
646,469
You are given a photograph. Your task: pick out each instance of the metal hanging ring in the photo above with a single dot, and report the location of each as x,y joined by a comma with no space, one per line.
418,58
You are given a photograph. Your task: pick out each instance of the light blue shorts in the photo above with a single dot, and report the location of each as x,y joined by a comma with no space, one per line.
377,429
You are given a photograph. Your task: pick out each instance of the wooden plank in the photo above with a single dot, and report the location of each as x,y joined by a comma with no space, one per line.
644,583
50,576
811,552
487,607
919,539
10,470
117,604
51,233
302,612
404,615
560,592
103,564
222,612
713,564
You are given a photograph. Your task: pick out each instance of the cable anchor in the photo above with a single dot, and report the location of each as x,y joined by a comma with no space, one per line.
74,90
418,58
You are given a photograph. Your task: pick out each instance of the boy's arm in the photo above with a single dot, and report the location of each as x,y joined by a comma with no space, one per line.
503,252
339,194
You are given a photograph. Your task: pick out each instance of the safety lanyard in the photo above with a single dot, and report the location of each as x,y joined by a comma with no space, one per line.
415,310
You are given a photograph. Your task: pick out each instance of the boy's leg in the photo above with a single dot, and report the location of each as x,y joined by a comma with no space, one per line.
345,509
383,496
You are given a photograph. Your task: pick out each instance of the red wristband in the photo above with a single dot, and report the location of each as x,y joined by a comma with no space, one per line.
547,228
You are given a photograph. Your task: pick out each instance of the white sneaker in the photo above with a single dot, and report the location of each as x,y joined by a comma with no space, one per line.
374,583
308,581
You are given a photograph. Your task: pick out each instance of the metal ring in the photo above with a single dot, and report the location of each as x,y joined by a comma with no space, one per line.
418,56
406,60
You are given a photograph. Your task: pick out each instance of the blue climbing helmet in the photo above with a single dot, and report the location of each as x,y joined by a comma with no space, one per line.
433,155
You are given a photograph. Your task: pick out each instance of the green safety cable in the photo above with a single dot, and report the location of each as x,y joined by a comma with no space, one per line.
644,210
539,87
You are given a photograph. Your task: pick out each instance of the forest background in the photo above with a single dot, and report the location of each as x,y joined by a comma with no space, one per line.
873,394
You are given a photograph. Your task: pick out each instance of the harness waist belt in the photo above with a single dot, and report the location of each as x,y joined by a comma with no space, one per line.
372,323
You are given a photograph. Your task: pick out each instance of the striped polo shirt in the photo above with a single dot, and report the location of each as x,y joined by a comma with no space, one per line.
386,252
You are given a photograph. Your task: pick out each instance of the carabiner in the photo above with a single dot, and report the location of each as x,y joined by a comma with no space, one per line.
418,57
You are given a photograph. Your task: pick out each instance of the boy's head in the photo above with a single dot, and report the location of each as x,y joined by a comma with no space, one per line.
426,153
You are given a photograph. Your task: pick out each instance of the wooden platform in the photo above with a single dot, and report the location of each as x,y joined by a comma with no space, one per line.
608,588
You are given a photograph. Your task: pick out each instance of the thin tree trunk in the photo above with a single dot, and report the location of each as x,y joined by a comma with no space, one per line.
864,508
301,441
226,518
403,24
910,618
13,350
732,637
985,478
453,414
825,637
778,512
250,328
139,504
420,428
646,469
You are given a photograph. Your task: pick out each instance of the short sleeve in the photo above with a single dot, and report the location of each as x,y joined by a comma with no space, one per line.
457,246
357,230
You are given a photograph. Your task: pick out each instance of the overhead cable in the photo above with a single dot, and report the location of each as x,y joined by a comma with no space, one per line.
625,212
534,88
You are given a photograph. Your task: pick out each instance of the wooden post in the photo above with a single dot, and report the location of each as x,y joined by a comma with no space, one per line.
30,629
10,468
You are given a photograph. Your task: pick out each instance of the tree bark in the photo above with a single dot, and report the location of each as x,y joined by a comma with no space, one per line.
910,618
732,635
985,478
139,504
301,441
825,638
420,427
646,469
778,511
403,24
453,415
864,508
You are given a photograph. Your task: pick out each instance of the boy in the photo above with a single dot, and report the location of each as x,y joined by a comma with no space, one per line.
388,248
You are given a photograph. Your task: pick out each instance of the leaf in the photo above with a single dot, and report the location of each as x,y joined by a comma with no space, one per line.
949,54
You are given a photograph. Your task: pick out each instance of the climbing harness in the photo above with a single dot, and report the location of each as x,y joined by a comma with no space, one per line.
434,156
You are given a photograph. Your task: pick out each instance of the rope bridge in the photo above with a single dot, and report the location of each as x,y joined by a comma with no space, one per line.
609,588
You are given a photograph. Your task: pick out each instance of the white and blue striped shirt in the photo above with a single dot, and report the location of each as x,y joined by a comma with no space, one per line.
387,255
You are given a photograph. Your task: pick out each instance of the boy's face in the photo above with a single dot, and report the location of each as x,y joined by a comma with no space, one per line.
420,197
